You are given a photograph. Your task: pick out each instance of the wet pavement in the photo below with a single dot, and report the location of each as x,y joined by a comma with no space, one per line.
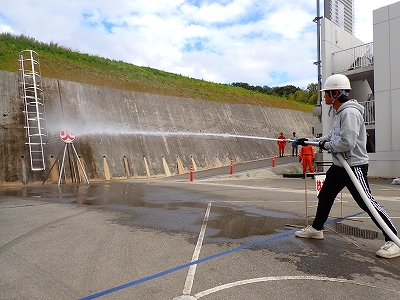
219,237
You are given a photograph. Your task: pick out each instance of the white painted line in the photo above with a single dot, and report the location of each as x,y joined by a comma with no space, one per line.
192,269
268,188
263,201
369,218
278,278
288,190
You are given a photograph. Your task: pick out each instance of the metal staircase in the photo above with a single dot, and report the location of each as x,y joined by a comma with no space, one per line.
35,115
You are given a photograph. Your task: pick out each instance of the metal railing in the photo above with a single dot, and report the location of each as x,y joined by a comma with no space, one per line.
369,112
353,58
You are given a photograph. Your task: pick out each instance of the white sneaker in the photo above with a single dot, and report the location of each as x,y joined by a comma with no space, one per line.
310,232
389,250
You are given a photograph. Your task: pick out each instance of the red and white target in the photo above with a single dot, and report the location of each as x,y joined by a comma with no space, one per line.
67,136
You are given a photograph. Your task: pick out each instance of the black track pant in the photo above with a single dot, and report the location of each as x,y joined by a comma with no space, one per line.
336,179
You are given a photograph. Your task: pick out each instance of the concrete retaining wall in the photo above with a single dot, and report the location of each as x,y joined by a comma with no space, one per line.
156,135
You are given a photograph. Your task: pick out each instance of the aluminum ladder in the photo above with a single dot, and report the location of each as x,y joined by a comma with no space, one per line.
34,110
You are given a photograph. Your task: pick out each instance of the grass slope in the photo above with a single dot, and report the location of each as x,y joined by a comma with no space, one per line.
62,63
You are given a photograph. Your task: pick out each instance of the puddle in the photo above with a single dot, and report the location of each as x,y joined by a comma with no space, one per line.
164,208
239,223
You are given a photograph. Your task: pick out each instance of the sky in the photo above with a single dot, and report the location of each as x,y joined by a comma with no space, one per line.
266,43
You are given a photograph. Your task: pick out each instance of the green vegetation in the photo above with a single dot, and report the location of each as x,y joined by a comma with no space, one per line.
63,63
290,92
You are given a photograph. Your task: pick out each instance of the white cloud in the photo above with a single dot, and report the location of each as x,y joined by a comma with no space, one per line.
364,10
6,28
255,41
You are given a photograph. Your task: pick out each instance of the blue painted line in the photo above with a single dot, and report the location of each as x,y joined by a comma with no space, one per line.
340,219
144,279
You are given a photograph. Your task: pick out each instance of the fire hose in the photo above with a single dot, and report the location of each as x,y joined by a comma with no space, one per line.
361,191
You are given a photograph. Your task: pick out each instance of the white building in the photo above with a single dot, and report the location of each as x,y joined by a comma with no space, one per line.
374,73
340,12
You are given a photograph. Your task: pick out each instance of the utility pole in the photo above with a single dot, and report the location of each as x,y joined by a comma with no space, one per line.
317,20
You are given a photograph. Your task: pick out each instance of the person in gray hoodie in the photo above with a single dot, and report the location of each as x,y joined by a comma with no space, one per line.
348,136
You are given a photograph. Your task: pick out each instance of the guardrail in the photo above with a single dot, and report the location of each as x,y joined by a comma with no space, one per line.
353,58
369,112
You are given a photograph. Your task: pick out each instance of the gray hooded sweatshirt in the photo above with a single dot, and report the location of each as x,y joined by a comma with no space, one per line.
348,135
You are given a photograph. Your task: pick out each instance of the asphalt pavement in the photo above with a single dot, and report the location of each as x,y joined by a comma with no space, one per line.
220,236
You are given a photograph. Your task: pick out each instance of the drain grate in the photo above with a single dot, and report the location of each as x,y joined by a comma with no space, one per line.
357,232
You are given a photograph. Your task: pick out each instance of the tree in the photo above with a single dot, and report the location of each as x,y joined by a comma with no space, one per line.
291,92
312,88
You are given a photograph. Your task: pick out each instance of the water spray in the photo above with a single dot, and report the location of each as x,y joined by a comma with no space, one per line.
177,133
96,129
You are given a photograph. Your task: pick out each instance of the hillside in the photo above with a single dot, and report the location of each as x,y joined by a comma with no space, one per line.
62,63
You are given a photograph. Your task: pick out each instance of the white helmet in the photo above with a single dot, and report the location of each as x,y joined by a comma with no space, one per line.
337,82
